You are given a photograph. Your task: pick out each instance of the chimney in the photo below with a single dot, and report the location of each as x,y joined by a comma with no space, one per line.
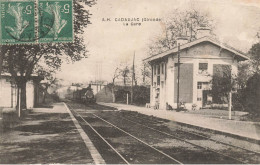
203,31
182,40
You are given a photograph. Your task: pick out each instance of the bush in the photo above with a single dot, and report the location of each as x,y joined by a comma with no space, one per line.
121,95
237,101
141,95
251,95
55,97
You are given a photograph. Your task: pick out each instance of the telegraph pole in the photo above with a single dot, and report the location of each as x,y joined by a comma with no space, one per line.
178,79
133,78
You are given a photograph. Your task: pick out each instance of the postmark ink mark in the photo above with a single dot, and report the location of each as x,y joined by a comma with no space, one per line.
36,21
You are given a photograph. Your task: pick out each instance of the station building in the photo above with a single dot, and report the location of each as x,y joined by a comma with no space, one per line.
199,60
9,91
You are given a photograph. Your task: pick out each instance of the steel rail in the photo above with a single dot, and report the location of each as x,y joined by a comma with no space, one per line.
178,138
139,140
208,138
102,138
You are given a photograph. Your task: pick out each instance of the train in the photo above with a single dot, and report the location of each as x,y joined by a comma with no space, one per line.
84,95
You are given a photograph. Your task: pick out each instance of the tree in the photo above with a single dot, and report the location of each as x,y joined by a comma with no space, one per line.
146,73
125,74
248,81
254,54
112,85
244,73
221,84
251,95
49,80
176,25
21,60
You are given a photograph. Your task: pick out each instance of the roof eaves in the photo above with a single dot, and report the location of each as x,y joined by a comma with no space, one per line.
189,44
230,48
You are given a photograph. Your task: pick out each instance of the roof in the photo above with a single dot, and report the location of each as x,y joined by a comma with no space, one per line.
238,53
33,76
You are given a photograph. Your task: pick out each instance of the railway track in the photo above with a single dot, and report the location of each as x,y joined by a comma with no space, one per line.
206,149
196,134
174,160
205,137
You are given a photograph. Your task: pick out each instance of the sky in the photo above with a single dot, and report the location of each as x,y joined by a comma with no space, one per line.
110,43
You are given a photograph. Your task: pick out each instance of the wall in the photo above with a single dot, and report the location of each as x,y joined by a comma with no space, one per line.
186,83
159,83
7,99
5,93
30,94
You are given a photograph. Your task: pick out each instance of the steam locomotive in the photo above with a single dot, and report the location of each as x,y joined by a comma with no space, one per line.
84,95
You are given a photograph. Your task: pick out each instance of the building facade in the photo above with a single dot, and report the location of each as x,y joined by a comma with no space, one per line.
9,91
199,60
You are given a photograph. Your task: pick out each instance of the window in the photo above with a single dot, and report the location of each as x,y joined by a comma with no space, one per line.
154,69
203,67
199,99
162,68
199,85
158,67
158,80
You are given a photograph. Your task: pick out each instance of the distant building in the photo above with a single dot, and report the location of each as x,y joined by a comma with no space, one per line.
8,91
199,61
96,87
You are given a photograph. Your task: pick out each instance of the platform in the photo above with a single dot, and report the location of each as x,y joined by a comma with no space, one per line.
243,129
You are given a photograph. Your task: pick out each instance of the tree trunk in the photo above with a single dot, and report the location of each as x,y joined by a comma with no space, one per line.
21,83
113,95
44,94
18,102
23,95
1,59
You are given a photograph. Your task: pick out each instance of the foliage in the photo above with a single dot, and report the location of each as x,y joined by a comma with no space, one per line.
179,24
146,73
111,85
244,73
125,73
254,54
248,68
49,80
141,94
221,83
21,60
251,95
121,95
238,102
247,98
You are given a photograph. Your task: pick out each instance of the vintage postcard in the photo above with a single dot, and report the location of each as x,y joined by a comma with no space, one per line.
130,82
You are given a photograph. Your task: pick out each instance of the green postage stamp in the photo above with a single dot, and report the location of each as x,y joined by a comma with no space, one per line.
55,21
36,21
17,22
